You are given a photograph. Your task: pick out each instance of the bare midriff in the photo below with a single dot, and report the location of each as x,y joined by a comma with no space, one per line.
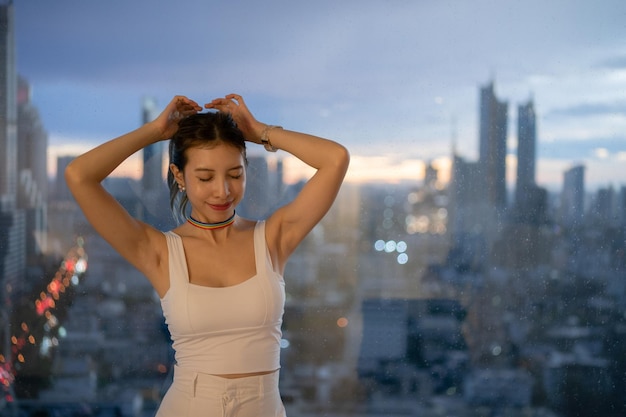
234,376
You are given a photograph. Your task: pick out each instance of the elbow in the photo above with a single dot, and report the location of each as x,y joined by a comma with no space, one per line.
342,159
72,175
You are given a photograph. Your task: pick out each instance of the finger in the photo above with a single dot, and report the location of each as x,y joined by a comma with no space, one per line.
192,104
189,103
215,102
184,104
192,107
222,104
240,102
212,106
236,97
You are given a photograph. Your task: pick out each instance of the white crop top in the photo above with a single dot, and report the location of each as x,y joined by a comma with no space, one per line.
225,330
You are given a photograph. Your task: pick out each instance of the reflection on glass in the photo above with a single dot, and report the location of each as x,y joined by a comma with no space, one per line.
485,280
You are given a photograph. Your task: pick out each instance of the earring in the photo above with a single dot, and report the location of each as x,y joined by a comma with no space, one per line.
181,188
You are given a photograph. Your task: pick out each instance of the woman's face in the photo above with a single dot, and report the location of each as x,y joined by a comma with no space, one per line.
215,181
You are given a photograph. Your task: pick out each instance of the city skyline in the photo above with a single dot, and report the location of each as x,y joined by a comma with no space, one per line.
404,297
399,86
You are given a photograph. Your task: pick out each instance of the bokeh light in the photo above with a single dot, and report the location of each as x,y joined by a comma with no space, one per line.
403,258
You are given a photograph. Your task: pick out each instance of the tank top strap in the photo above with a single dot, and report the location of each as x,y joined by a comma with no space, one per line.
261,253
176,256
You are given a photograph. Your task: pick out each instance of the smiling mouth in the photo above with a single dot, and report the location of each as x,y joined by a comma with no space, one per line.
221,207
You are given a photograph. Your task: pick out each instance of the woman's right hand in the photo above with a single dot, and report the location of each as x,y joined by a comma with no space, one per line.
177,109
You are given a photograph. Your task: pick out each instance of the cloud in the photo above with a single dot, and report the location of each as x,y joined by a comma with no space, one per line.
592,148
384,78
617,62
590,109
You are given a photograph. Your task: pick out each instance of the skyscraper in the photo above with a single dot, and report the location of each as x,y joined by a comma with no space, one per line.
12,250
12,254
153,197
526,144
478,189
492,146
530,200
33,171
152,178
466,209
573,196
8,107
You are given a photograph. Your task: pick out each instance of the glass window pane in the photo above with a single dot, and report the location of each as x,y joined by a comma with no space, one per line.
472,264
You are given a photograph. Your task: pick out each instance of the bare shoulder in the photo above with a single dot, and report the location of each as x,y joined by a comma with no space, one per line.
246,224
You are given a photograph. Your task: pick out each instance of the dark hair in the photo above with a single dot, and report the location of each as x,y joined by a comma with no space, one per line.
204,130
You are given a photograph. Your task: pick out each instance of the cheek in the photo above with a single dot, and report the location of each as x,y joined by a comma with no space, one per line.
238,187
198,190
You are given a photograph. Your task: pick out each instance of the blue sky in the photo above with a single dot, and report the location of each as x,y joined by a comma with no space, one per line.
393,80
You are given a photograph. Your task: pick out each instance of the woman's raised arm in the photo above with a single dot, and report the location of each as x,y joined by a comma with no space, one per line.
288,226
133,239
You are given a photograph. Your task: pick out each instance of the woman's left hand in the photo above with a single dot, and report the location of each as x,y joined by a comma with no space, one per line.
234,105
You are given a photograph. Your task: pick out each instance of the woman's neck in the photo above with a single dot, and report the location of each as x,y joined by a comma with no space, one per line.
211,226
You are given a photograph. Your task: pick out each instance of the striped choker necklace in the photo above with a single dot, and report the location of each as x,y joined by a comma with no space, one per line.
211,226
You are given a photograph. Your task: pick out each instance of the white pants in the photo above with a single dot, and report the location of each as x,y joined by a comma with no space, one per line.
194,394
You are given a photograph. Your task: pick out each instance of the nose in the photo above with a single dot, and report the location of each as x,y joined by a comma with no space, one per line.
222,189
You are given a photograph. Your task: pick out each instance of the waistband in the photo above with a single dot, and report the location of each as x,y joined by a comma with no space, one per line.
207,385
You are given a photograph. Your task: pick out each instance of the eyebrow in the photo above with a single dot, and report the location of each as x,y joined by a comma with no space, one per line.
238,167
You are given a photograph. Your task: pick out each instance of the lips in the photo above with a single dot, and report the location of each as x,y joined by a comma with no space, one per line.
220,207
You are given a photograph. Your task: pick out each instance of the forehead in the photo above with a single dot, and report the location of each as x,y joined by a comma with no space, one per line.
221,156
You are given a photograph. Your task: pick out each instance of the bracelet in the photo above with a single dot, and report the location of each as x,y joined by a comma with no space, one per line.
265,140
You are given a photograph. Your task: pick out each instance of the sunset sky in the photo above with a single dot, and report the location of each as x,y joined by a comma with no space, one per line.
397,82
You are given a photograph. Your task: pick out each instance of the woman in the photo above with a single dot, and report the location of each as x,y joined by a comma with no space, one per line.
219,276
